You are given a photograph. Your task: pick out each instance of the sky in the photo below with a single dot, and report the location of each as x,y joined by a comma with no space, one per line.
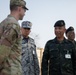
43,14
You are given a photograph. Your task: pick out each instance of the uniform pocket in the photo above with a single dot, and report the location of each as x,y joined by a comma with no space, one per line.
53,53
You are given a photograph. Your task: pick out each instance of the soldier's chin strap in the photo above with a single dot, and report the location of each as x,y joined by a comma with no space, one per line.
5,42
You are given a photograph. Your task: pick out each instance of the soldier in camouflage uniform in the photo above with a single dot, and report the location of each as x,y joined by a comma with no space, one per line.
29,60
10,40
59,56
70,34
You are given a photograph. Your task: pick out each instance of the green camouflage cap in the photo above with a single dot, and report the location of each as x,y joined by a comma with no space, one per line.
18,3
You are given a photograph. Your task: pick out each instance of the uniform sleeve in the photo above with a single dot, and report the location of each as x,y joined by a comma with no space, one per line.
9,35
35,58
45,58
74,58
36,62
1,30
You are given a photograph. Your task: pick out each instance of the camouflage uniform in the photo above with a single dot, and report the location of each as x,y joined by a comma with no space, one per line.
74,42
10,42
61,56
29,60
10,47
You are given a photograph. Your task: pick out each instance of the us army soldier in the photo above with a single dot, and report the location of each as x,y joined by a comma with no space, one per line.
10,47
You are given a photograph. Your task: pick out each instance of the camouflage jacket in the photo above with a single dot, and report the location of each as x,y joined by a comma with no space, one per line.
10,47
59,58
30,65
74,43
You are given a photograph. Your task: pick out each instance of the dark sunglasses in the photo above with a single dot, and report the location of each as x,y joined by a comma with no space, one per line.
27,28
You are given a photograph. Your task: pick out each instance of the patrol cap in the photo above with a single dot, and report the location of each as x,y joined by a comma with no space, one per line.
18,3
69,29
26,24
59,23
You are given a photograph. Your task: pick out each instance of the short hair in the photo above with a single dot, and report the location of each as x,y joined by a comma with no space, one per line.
13,7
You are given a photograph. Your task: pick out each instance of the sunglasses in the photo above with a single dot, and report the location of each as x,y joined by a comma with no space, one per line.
27,28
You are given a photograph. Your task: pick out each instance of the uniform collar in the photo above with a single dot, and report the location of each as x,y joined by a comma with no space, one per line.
56,41
24,37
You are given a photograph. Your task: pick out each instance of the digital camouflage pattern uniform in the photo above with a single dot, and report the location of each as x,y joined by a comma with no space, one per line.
10,47
29,60
61,57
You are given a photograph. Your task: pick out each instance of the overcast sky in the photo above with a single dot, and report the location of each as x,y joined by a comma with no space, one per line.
43,14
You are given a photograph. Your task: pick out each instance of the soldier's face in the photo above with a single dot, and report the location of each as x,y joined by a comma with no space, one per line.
71,35
25,31
59,31
21,13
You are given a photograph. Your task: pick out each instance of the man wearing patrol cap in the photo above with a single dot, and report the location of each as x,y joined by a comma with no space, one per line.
10,40
59,29
30,65
18,8
60,53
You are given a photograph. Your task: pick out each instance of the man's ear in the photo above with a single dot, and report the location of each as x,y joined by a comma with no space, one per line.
19,9
65,30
